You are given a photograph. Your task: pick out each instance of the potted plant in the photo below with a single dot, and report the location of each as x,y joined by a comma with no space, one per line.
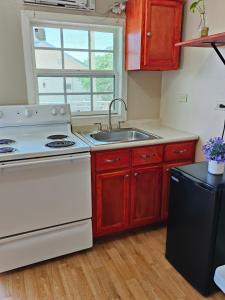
199,6
214,151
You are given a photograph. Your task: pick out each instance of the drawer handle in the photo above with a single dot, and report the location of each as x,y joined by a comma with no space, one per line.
111,161
180,151
147,155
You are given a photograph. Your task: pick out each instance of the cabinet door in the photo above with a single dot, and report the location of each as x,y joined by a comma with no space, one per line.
180,151
166,187
112,195
161,32
146,195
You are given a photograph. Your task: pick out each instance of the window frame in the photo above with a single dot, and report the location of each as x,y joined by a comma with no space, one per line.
44,19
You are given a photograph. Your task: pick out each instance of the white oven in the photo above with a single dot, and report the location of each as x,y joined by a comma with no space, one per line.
45,185
44,202
40,193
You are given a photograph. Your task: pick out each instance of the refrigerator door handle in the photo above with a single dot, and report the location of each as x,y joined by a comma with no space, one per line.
175,179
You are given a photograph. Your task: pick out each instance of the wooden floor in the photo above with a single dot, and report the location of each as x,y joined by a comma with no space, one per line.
129,267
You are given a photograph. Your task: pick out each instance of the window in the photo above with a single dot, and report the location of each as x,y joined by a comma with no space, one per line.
77,64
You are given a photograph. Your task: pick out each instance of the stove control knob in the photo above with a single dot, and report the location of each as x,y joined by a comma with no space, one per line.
54,112
62,111
1,114
28,113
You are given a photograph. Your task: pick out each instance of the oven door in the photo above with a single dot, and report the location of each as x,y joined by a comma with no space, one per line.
41,193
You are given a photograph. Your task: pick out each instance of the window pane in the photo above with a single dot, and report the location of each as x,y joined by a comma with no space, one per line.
75,39
47,37
101,102
101,61
103,84
51,99
48,59
78,84
76,60
102,40
50,85
79,103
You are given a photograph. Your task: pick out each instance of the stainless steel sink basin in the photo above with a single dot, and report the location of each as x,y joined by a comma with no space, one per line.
120,136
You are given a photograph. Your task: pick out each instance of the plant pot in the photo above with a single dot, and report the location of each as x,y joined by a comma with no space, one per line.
204,31
216,167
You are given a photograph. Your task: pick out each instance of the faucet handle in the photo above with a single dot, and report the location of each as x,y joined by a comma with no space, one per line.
119,123
99,124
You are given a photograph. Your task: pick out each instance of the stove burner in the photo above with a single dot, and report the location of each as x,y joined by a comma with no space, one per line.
6,142
7,150
60,144
57,137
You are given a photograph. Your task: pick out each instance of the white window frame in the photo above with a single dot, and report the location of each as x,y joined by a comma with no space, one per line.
30,18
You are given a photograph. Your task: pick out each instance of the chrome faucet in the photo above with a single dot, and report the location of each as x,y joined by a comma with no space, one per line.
110,109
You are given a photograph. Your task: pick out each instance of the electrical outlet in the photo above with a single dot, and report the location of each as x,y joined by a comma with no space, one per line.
220,105
182,98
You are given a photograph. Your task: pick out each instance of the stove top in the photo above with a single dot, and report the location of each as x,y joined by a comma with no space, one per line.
57,137
7,150
6,141
60,144
30,134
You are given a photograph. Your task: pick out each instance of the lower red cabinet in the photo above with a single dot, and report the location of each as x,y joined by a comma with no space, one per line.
166,185
131,186
145,196
112,196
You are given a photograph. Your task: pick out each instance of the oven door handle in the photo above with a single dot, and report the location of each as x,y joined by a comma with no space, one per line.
44,161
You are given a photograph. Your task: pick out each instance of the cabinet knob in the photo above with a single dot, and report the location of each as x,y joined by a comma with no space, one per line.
180,151
135,174
149,34
111,161
147,155
127,176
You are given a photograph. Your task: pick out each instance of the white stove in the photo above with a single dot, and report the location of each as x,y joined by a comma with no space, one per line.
37,131
45,184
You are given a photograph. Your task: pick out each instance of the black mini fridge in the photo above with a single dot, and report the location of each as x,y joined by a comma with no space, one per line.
196,225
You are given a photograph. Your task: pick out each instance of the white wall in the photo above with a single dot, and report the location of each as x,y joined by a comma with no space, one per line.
144,88
201,76
12,73
144,94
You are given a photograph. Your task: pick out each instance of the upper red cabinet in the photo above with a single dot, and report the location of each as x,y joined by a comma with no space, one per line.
153,27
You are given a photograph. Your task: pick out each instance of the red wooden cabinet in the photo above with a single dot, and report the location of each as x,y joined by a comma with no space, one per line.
147,155
166,186
112,195
110,160
153,27
179,151
145,196
130,187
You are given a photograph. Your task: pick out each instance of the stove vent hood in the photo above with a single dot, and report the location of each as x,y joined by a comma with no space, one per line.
88,5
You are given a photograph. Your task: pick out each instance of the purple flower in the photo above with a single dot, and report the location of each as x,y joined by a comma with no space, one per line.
215,149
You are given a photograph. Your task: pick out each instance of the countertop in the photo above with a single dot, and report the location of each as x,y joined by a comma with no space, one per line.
167,134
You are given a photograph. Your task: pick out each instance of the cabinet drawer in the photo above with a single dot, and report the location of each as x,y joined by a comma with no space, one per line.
182,151
147,155
112,160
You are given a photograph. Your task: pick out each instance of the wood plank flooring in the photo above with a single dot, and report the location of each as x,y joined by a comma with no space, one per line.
131,266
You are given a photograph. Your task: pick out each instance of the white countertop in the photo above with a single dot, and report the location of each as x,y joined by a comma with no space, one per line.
167,134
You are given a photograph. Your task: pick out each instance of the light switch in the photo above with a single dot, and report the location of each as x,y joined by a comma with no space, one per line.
182,98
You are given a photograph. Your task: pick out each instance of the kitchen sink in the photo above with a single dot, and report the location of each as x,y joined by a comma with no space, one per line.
120,136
